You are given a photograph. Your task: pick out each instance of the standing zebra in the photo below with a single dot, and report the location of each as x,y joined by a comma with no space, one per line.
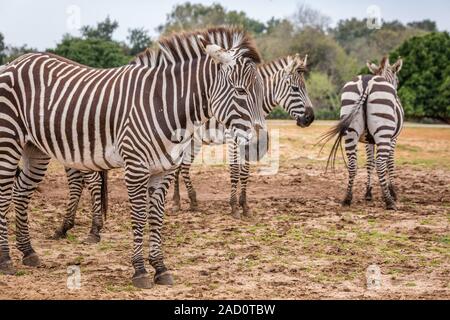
371,113
283,85
140,117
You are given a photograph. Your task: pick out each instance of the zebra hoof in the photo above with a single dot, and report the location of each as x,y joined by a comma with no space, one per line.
247,212
58,235
347,202
7,267
164,279
393,192
193,207
368,196
236,215
142,281
391,206
31,260
92,238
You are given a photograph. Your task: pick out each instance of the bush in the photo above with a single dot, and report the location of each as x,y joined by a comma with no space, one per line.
93,52
425,78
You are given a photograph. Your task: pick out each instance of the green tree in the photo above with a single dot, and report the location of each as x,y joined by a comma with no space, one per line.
325,55
365,44
276,42
425,76
104,30
93,52
138,40
188,16
322,92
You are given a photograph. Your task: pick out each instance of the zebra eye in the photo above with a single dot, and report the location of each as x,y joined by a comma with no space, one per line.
295,88
241,91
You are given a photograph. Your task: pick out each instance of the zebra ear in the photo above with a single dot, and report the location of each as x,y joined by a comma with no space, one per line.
219,55
396,67
301,63
373,68
291,64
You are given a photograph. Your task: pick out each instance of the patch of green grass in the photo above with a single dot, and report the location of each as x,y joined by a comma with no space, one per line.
411,284
105,246
409,148
21,273
424,163
72,238
445,240
295,234
425,222
78,260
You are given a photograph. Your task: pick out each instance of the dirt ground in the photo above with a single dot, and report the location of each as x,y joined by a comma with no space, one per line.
300,243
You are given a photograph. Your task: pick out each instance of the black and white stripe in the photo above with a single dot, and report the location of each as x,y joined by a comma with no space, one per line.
371,113
283,85
99,119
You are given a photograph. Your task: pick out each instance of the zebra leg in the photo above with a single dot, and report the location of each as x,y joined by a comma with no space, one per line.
370,150
383,151
351,149
186,173
243,175
93,181
234,176
76,184
176,191
391,170
159,186
137,186
35,165
9,160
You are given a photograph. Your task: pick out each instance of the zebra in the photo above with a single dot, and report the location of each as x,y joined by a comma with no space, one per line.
283,84
373,114
139,117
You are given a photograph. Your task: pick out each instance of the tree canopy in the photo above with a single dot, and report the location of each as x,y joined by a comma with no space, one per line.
425,77
94,52
336,54
190,16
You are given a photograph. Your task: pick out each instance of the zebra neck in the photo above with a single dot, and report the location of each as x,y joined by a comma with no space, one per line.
269,97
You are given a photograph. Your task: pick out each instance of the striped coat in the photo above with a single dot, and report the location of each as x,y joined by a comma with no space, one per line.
371,113
283,84
140,117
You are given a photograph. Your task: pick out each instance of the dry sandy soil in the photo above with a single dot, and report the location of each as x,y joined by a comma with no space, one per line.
300,243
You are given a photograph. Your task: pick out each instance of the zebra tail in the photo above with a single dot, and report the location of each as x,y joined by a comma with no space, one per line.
339,131
104,193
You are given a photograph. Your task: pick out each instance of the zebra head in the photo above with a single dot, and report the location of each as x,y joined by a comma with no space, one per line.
290,91
236,95
387,71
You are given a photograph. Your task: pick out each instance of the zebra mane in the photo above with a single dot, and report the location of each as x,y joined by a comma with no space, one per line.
186,46
273,66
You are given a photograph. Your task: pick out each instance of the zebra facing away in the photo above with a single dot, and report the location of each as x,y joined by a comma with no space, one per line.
139,116
283,84
371,113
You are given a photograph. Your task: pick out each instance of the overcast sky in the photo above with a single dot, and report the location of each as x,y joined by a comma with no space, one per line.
40,24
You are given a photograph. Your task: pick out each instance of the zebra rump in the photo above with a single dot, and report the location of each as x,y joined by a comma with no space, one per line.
339,131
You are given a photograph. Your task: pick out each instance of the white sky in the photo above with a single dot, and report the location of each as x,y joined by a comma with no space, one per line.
41,24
